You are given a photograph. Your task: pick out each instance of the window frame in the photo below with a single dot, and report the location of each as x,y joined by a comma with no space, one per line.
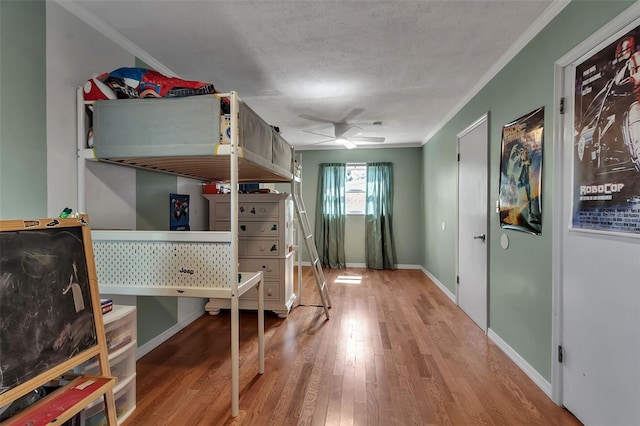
348,191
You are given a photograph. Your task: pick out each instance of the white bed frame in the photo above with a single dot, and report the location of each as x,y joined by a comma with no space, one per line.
172,263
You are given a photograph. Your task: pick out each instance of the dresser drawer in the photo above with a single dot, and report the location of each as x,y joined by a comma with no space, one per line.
262,247
270,267
247,209
251,229
271,292
258,229
260,210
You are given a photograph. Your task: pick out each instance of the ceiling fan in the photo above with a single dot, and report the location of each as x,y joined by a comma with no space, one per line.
344,133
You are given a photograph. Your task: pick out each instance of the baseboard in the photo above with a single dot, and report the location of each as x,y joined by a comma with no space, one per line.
407,266
438,284
168,333
521,363
364,265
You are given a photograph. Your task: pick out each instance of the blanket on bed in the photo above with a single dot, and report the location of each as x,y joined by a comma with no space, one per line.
126,83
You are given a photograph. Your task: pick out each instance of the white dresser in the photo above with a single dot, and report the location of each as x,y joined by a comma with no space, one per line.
265,243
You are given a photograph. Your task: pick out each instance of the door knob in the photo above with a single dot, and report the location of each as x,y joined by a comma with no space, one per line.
480,237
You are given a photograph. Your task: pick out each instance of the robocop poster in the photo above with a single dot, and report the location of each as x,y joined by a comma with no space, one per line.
606,154
521,173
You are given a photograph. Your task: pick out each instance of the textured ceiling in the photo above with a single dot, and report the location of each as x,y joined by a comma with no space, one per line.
408,64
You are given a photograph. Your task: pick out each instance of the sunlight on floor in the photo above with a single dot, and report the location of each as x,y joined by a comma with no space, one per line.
349,279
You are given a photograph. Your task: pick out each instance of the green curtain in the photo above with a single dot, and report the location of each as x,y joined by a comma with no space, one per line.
380,249
330,215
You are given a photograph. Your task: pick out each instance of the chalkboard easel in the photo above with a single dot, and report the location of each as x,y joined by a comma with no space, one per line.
50,318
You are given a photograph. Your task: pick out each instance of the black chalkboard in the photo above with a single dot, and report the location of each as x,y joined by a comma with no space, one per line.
46,311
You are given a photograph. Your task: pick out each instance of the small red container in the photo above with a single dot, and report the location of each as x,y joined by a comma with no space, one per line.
210,188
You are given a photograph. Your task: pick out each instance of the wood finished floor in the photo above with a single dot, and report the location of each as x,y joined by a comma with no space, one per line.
396,351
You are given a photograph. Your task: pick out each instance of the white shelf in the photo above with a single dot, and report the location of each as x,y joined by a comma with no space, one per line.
118,312
121,319
126,415
116,389
122,350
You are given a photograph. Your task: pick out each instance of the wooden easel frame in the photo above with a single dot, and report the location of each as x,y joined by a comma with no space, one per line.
101,385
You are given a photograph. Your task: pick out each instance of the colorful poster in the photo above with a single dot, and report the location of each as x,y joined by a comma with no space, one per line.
521,174
179,212
606,154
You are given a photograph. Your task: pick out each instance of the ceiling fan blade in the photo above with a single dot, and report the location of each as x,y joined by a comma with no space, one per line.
346,131
318,143
314,118
317,134
354,113
371,139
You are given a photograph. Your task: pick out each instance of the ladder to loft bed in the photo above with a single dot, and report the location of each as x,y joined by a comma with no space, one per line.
312,251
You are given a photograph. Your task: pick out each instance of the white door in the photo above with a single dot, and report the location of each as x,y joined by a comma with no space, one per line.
472,221
599,284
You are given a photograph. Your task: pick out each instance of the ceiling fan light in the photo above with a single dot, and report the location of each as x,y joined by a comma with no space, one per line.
341,141
349,144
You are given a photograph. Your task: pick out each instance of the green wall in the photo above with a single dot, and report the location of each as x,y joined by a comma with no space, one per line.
520,281
23,117
407,198
155,314
439,179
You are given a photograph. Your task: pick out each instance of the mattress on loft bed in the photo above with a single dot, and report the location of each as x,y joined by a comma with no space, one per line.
181,128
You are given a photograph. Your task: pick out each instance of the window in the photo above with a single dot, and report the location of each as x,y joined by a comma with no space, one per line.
355,187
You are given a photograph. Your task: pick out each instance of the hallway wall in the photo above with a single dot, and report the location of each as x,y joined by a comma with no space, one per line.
520,279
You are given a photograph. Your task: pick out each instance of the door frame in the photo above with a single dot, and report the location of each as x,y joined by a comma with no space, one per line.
484,118
560,135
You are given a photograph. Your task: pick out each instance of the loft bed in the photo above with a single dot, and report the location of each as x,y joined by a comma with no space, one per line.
182,136
188,137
